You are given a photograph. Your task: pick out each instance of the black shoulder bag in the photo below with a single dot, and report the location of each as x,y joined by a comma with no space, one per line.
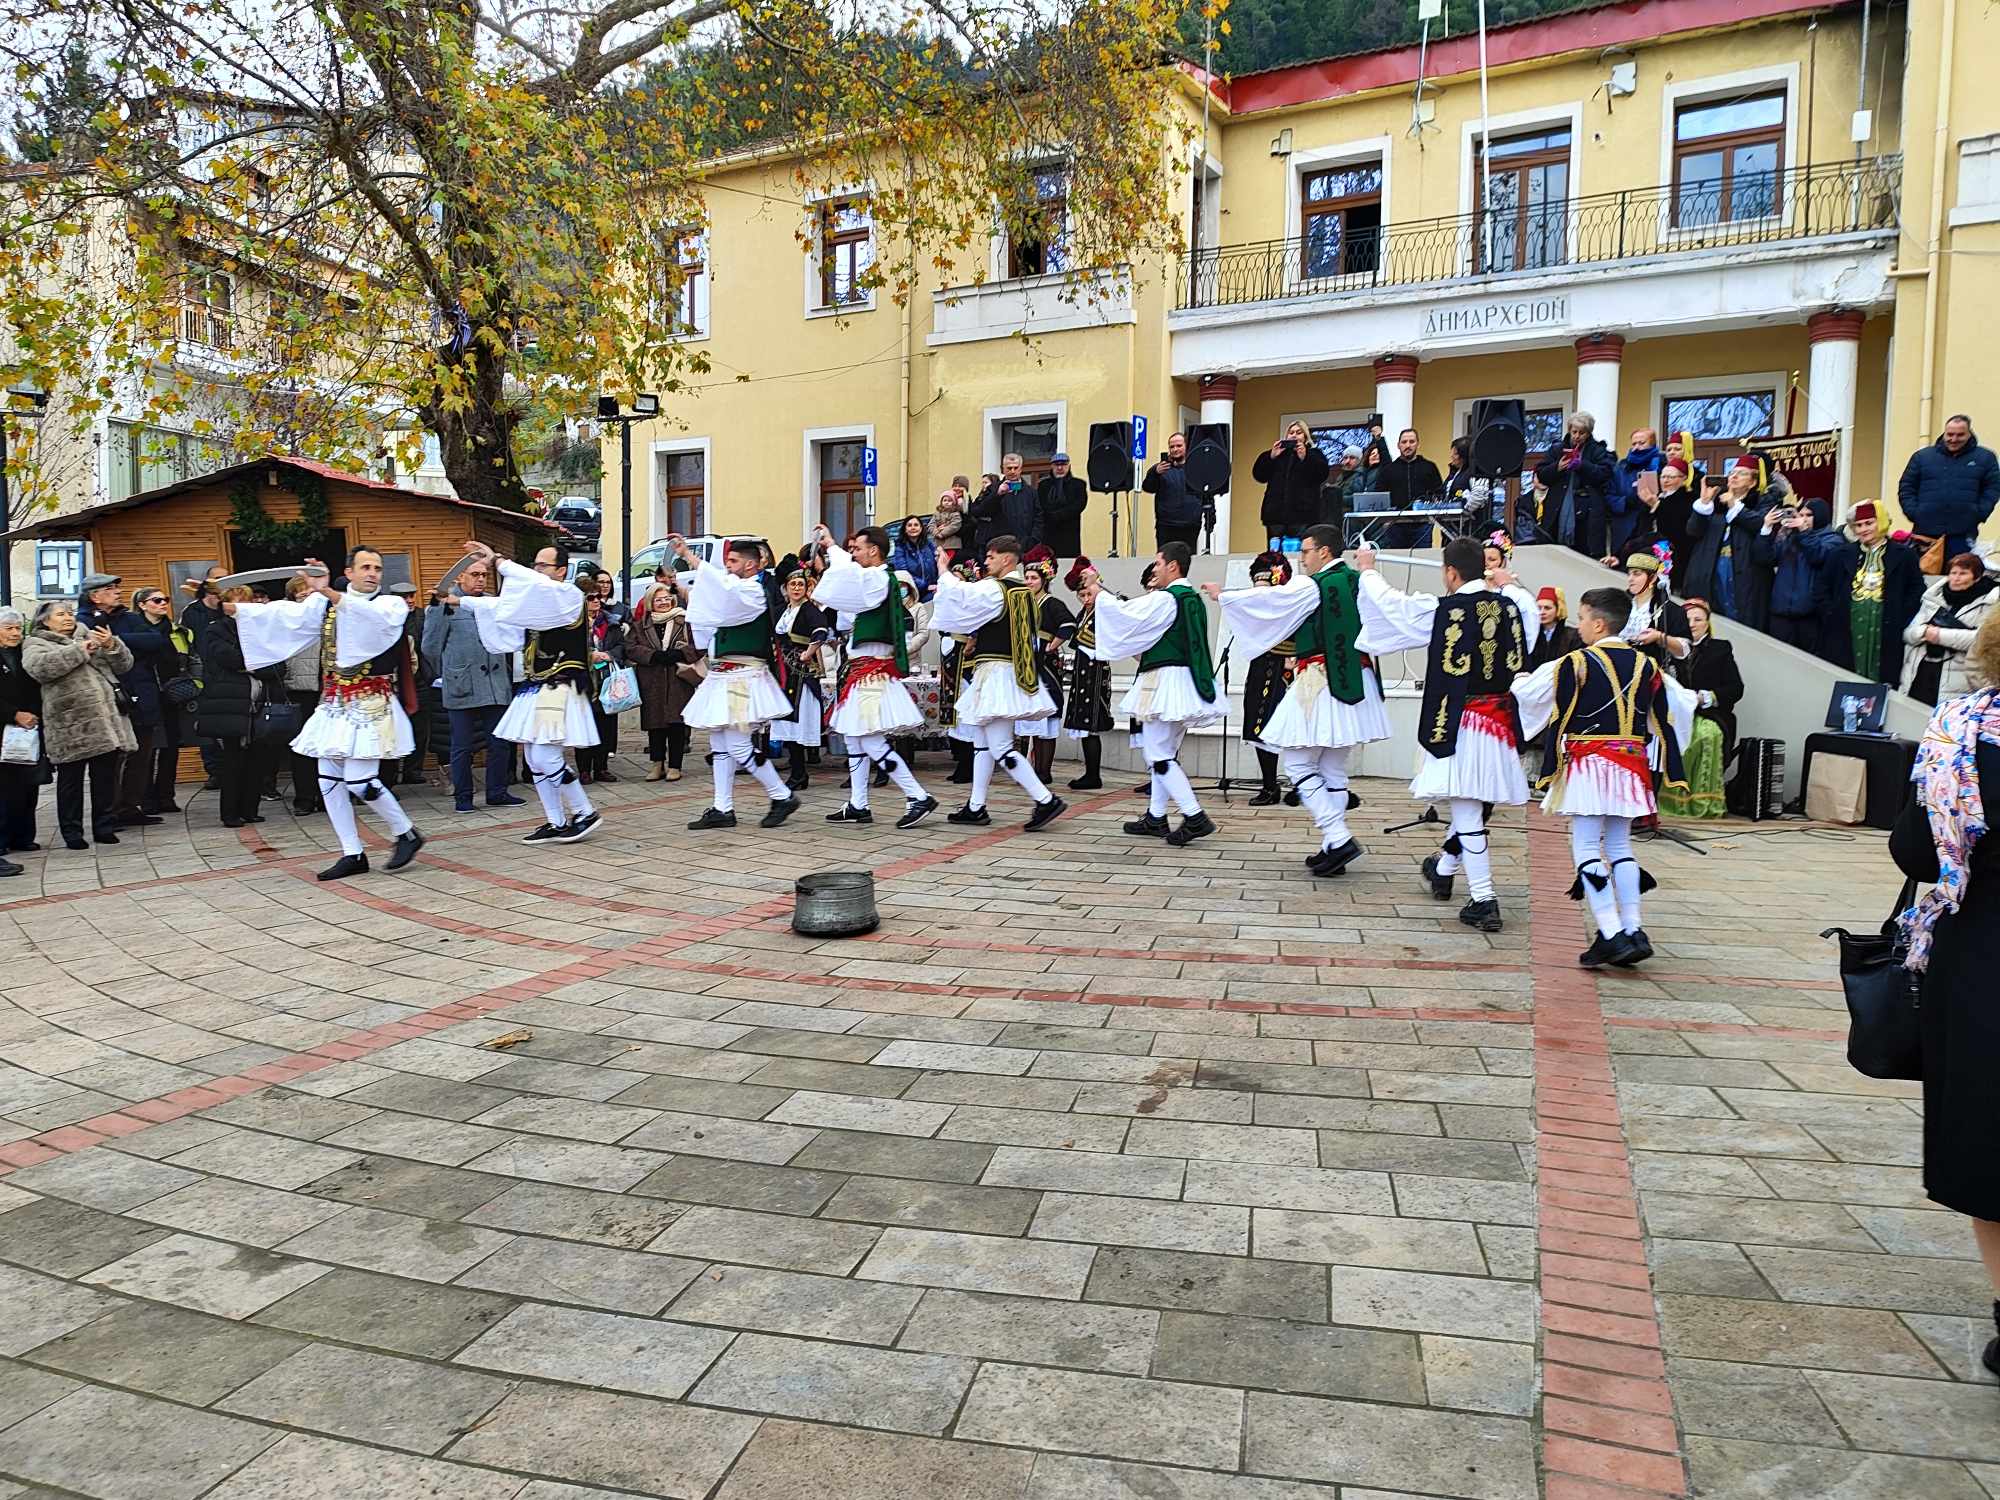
1883,1039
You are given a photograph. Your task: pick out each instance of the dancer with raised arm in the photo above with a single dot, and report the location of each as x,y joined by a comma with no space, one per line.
871,704
1004,683
732,617
1167,629
359,722
540,613
1334,700
1468,738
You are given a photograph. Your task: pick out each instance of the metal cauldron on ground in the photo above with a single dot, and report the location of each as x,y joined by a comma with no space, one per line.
835,903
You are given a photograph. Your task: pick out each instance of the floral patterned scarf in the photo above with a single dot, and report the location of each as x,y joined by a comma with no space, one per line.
1947,780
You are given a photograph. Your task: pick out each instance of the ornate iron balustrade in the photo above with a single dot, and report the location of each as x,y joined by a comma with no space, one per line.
1753,209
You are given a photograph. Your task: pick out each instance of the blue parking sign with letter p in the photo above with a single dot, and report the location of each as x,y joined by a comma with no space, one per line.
868,456
1138,436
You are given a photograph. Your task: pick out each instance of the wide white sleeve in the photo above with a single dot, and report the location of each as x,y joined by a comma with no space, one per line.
1681,705
719,599
1536,694
1392,620
1125,627
1531,614
527,601
271,633
365,628
848,587
962,608
1257,619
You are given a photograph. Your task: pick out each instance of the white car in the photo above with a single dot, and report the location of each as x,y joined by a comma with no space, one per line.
648,560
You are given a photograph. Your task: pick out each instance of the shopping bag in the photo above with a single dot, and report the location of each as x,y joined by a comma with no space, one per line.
21,747
620,691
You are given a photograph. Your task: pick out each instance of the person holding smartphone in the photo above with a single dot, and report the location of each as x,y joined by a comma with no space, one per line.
1291,471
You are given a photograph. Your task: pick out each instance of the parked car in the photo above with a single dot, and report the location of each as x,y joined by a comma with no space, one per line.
647,560
582,519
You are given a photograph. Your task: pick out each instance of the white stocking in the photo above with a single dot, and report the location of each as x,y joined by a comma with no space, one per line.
546,770
1319,776
998,740
1586,846
873,750
339,809
1624,870
1160,742
1468,825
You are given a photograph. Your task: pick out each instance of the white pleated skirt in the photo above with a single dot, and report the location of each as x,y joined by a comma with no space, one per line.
994,694
370,728
1167,695
736,697
1595,787
808,728
1309,717
1485,768
877,705
554,714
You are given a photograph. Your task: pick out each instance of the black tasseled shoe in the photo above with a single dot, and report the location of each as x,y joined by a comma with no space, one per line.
346,865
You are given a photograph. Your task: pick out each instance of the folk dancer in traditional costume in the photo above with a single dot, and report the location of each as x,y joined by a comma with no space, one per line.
802,634
1004,682
1054,624
1167,629
1334,699
1265,681
954,675
732,618
544,617
359,723
1609,701
1087,702
1467,736
872,704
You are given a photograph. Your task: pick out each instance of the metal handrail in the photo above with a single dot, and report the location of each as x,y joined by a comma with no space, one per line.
1765,208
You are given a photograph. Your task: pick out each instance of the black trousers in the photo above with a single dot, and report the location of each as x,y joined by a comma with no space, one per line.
136,771
102,772
1801,631
19,787
1163,533
669,744
305,770
176,730
240,769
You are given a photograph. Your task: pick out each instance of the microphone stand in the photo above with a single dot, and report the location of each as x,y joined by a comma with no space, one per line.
1429,815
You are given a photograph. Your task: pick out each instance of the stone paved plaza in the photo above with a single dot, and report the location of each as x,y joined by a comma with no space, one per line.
1102,1171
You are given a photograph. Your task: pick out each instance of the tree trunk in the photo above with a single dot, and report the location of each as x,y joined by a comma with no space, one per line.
477,442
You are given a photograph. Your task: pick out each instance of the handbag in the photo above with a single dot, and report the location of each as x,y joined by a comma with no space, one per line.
180,691
274,721
21,746
620,691
1883,1039
1931,560
694,672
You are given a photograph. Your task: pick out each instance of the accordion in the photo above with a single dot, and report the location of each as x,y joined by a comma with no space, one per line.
1757,791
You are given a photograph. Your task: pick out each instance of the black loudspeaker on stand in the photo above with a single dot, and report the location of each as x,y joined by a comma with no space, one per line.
1208,471
1111,470
1499,438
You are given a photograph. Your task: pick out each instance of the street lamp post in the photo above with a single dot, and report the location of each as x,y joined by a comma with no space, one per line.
645,407
38,400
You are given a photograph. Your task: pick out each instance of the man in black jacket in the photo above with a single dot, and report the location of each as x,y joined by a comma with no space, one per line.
1010,508
1291,472
1950,488
1177,505
103,605
1063,496
1410,479
1579,471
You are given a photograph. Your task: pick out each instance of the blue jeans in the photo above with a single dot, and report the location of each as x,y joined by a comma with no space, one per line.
472,729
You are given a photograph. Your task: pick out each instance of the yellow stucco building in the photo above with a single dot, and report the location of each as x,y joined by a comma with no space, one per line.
1736,217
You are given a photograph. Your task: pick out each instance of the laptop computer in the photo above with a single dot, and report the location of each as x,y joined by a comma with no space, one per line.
1857,707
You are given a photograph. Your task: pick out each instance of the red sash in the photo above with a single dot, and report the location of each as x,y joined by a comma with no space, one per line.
1626,755
860,669
1491,714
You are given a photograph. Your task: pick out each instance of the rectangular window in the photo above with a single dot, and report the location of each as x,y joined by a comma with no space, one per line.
684,483
846,251
691,293
147,458
58,569
1727,157
1719,423
208,312
843,498
1034,438
1340,217
1040,246
1524,186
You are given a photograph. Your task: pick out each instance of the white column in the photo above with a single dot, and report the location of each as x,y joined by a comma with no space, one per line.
1834,339
1218,404
1396,394
1599,359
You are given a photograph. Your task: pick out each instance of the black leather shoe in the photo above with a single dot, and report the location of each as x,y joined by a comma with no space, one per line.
1200,826
1292,797
1483,915
849,813
1605,950
1045,813
407,845
1440,884
714,818
1332,861
1086,783
579,829
1148,827
346,865
970,817
1640,946
919,809
1268,797
8,867
779,812
74,843
104,836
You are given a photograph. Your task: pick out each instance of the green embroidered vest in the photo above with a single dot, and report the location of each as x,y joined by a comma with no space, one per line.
1185,643
1330,631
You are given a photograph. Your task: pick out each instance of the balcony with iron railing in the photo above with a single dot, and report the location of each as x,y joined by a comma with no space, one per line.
1691,219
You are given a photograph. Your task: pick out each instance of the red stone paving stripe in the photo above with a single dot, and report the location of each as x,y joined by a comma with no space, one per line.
1607,1415
27,1153
116,1124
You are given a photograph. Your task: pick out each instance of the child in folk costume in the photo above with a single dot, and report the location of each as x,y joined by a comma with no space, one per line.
1054,624
954,671
359,723
732,617
872,704
1087,707
1610,702
802,629
1002,682
1468,738
542,615
1167,629
1333,700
